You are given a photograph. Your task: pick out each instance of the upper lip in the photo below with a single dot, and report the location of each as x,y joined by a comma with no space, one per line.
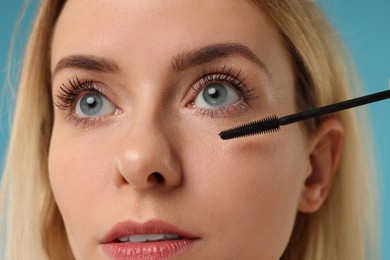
129,228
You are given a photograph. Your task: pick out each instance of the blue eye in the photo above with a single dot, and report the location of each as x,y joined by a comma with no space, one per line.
94,105
217,95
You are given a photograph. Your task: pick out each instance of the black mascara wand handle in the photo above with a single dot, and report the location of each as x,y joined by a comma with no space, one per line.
334,107
273,123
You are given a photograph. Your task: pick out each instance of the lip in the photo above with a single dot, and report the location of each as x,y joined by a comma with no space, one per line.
145,250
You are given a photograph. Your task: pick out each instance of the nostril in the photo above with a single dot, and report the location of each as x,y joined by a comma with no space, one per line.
157,177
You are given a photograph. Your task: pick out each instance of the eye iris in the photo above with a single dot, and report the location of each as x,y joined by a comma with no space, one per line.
215,94
91,104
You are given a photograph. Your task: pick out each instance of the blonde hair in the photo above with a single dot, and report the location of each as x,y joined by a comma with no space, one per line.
342,229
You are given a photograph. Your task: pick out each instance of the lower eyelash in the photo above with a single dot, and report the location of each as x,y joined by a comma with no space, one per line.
223,111
87,122
84,121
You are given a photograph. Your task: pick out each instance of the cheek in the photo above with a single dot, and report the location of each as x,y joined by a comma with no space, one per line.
252,186
72,168
76,169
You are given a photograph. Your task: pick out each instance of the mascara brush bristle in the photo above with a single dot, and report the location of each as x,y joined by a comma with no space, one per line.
262,126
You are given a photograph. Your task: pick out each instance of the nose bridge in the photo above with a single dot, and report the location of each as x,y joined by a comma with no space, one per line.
145,156
147,137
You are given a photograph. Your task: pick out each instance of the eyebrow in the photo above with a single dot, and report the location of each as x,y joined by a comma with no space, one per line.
209,53
87,62
180,62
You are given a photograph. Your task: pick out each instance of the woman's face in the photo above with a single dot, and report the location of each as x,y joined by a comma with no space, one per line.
142,89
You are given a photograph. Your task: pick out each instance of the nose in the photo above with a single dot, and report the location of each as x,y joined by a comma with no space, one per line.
145,160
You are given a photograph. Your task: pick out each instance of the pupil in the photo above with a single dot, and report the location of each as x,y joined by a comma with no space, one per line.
215,95
213,92
91,104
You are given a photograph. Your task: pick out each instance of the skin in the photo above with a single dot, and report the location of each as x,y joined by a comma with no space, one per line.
239,196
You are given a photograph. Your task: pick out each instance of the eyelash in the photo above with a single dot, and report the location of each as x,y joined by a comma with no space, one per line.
68,94
232,77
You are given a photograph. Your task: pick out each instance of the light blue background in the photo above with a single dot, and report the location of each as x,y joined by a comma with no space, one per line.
365,25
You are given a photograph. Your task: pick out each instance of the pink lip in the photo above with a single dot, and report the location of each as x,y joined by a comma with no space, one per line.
145,250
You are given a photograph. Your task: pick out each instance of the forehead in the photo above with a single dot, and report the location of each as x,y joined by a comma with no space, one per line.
160,27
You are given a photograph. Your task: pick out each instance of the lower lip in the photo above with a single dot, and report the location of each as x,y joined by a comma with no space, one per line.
151,250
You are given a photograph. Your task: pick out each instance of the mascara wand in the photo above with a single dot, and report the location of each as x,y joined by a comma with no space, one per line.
273,123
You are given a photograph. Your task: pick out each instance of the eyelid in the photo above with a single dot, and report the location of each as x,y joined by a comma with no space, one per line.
222,74
219,74
68,94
